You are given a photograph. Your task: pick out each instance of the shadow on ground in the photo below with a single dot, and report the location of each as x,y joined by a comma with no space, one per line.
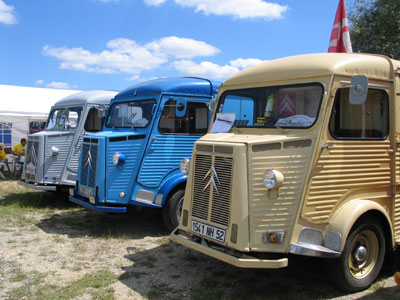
171,271
37,200
136,224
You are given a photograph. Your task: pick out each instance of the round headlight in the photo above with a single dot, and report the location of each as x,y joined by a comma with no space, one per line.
184,166
118,158
272,179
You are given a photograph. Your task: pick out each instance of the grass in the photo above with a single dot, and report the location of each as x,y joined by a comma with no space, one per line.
23,210
97,284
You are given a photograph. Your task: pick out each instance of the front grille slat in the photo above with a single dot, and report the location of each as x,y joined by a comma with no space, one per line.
212,203
32,151
89,163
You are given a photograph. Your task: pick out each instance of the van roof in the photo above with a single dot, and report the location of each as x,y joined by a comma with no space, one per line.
177,85
311,65
95,96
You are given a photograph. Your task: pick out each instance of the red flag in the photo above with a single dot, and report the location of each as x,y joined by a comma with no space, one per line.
340,37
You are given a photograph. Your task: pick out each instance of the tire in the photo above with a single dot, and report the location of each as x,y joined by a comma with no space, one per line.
362,257
173,209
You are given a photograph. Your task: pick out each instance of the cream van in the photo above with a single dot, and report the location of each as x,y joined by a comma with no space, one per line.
301,158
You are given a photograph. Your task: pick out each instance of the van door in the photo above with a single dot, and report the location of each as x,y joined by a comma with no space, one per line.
172,138
355,156
92,123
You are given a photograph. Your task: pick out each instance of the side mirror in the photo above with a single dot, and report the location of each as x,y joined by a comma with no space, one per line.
358,89
180,107
211,104
102,110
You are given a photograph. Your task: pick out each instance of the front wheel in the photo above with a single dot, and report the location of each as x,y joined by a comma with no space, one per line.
362,257
173,209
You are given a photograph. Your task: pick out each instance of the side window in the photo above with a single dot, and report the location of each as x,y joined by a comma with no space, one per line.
365,121
194,122
6,133
94,122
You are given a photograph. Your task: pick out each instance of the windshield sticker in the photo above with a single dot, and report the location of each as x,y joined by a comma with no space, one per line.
223,122
296,121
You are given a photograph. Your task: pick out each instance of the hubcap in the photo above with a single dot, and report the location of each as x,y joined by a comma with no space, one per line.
360,254
363,254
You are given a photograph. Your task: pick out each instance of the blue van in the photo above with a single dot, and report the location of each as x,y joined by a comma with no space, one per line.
135,159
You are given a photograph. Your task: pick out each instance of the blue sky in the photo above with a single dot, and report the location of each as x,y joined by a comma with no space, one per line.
113,44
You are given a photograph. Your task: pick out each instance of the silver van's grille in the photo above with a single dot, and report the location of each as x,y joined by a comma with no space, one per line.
212,188
32,151
89,164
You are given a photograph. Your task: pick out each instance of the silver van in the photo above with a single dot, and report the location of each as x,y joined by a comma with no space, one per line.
52,155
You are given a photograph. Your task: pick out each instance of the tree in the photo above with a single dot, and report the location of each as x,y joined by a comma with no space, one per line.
375,27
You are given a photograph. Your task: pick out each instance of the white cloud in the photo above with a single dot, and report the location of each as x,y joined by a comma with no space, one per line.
39,82
242,63
60,85
124,55
154,2
7,14
182,47
241,9
211,70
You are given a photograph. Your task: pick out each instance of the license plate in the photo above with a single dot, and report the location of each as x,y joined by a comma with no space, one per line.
85,191
209,231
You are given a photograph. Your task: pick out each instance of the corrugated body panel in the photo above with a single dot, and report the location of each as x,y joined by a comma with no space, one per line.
346,167
396,205
163,156
76,152
276,209
54,165
398,163
396,219
121,178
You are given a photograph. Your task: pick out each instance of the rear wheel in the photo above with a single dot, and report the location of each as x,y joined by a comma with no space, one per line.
362,257
173,209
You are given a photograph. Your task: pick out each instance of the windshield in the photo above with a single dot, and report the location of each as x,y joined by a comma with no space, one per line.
294,106
131,114
61,119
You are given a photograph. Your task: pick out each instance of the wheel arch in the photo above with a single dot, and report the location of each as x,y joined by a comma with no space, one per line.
171,186
346,217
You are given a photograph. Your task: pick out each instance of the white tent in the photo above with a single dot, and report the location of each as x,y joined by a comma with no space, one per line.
20,106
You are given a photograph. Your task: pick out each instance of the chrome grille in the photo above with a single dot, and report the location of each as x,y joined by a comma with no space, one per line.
212,203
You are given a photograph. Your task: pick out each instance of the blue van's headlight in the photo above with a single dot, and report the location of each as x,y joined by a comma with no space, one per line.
118,158
184,166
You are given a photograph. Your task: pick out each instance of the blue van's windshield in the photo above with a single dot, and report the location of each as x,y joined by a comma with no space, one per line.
293,106
131,114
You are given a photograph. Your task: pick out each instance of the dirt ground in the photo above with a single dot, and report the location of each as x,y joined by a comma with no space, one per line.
52,249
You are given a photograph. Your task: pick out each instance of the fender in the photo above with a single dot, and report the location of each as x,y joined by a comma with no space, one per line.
345,217
170,184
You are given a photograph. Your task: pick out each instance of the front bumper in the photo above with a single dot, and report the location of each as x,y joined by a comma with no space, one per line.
241,262
111,209
40,187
